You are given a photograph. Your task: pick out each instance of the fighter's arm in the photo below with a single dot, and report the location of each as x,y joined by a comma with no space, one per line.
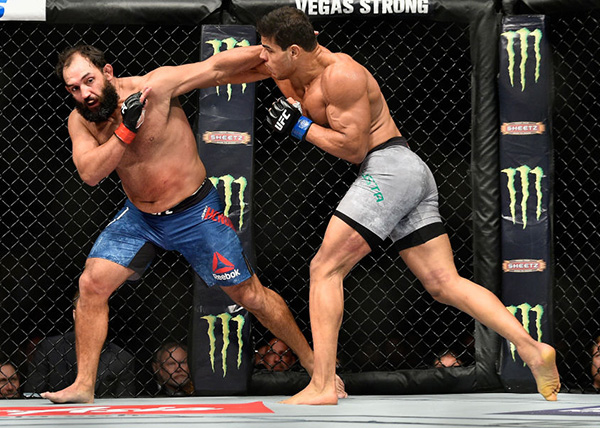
348,114
94,161
237,65
346,123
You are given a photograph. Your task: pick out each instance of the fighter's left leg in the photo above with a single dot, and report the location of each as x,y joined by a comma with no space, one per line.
342,248
433,264
271,311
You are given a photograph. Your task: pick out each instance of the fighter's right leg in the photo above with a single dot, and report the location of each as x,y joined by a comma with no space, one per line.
97,282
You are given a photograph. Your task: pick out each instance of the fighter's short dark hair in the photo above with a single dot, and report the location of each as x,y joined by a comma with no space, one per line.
93,54
288,26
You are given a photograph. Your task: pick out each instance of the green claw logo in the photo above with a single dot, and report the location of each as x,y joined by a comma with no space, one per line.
228,181
523,36
225,320
524,171
526,309
229,43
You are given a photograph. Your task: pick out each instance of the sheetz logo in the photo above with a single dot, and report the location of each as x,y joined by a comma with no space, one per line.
223,269
228,43
225,319
523,36
228,183
226,137
524,172
523,266
522,128
526,310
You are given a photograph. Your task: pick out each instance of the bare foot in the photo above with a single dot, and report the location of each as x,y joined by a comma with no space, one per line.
543,366
340,388
310,395
72,394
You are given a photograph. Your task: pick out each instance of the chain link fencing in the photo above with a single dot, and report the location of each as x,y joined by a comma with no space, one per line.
51,218
576,43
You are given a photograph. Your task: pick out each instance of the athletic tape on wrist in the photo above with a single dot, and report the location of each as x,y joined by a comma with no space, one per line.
124,134
301,128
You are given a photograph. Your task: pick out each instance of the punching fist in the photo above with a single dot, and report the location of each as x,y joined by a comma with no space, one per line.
133,113
287,118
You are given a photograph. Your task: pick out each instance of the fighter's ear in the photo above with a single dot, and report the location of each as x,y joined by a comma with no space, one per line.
294,50
108,71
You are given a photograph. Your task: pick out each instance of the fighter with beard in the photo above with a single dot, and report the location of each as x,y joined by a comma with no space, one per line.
137,127
108,103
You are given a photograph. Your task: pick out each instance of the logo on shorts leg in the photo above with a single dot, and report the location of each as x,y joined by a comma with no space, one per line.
223,269
373,186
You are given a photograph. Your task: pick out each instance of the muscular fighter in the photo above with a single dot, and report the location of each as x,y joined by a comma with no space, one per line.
394,195
137,127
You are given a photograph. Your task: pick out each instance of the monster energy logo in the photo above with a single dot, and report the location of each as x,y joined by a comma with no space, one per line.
229,43
225,319
524,172
526,309
523,35
228,181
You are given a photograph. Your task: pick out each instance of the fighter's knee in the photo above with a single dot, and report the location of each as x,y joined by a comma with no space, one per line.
439,284
323,268
317,265
249,293
91,286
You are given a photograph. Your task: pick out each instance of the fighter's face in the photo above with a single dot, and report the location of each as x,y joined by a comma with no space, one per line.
95,97
277,61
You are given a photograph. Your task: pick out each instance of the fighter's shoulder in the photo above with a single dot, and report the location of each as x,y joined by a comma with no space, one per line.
76,120
341,67
341,75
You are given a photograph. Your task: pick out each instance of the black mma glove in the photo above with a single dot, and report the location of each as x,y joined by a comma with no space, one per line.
287,118
133,113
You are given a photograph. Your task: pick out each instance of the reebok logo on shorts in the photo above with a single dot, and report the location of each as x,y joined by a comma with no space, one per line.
214,215
223,269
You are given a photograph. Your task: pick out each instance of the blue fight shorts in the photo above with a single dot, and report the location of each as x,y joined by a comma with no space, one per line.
196,228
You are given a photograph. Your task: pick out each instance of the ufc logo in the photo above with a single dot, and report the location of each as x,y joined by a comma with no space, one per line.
282,119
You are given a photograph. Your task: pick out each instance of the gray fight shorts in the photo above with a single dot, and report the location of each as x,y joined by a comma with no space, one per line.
394,196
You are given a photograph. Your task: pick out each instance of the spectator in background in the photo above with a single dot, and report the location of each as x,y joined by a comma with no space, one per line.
9,380
170,367
276,356
448,359
28,347
595,367
54,366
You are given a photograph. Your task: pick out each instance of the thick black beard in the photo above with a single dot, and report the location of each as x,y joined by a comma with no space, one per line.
108,103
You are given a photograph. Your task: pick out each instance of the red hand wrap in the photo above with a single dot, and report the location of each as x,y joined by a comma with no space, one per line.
125,134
